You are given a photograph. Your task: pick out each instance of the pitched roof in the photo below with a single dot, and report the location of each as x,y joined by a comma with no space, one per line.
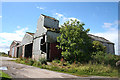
101,39
32,34
49,17
17,41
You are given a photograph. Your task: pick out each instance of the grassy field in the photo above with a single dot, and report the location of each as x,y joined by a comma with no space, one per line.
4,76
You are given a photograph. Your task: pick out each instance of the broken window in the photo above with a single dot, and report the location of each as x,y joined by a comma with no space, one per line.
43,44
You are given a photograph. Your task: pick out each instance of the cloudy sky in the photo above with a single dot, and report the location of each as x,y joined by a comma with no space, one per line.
19,17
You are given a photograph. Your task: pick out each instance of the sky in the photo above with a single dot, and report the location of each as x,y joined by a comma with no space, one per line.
20,17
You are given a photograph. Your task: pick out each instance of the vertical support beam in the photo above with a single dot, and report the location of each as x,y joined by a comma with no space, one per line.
23,51
47,50
47,47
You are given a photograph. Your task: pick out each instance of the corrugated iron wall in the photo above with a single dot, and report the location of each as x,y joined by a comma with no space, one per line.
54,52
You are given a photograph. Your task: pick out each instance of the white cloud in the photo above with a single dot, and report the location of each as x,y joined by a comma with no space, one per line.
40,8
62,18
18,27
7,38
111,33
111,26
107,25
0,16
59,15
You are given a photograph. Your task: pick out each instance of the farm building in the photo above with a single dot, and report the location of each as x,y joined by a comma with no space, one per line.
27,45
45,38
13,48
109,45
42,43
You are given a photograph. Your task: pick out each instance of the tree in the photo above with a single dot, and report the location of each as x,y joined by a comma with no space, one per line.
74,41
98,46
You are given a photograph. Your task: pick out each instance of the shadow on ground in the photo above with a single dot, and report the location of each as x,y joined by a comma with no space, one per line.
3,78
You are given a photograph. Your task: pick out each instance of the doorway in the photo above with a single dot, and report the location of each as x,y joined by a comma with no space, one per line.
28,50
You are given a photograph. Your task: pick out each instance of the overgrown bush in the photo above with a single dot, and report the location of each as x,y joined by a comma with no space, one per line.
108,59
74,41
43,61
75,68
98,46
56,61
31,61
36,63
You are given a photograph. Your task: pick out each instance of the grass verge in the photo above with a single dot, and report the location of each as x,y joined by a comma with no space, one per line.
4,76
79,69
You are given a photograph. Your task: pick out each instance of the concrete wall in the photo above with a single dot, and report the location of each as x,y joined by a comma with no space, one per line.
36,49
27,39
40,27
41,30
13,49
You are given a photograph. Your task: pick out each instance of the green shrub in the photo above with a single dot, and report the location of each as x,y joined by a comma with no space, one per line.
18,60
108,59
31,61
98,46
43,61
98,56
90,68
72,70
56,61
36,63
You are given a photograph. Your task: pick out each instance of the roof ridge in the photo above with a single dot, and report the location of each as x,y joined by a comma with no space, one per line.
105,40
32,34
50,17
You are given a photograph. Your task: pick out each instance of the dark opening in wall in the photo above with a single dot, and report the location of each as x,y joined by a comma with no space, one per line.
28,50
17,51
43,40
43,44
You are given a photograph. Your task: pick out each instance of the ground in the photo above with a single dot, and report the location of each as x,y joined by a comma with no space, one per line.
16,70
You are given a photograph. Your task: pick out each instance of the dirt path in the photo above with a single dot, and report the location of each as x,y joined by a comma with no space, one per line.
17,70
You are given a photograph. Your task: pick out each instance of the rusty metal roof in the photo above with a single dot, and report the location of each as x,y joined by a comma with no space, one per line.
49,17
52,29
101,39
32,34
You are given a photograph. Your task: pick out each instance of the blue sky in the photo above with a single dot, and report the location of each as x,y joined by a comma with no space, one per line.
19,17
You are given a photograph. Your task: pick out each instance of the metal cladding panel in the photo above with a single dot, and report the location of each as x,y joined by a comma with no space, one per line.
20,52
111,48
48,22
54,52
52,36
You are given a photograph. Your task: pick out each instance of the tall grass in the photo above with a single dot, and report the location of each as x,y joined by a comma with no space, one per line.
76,69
